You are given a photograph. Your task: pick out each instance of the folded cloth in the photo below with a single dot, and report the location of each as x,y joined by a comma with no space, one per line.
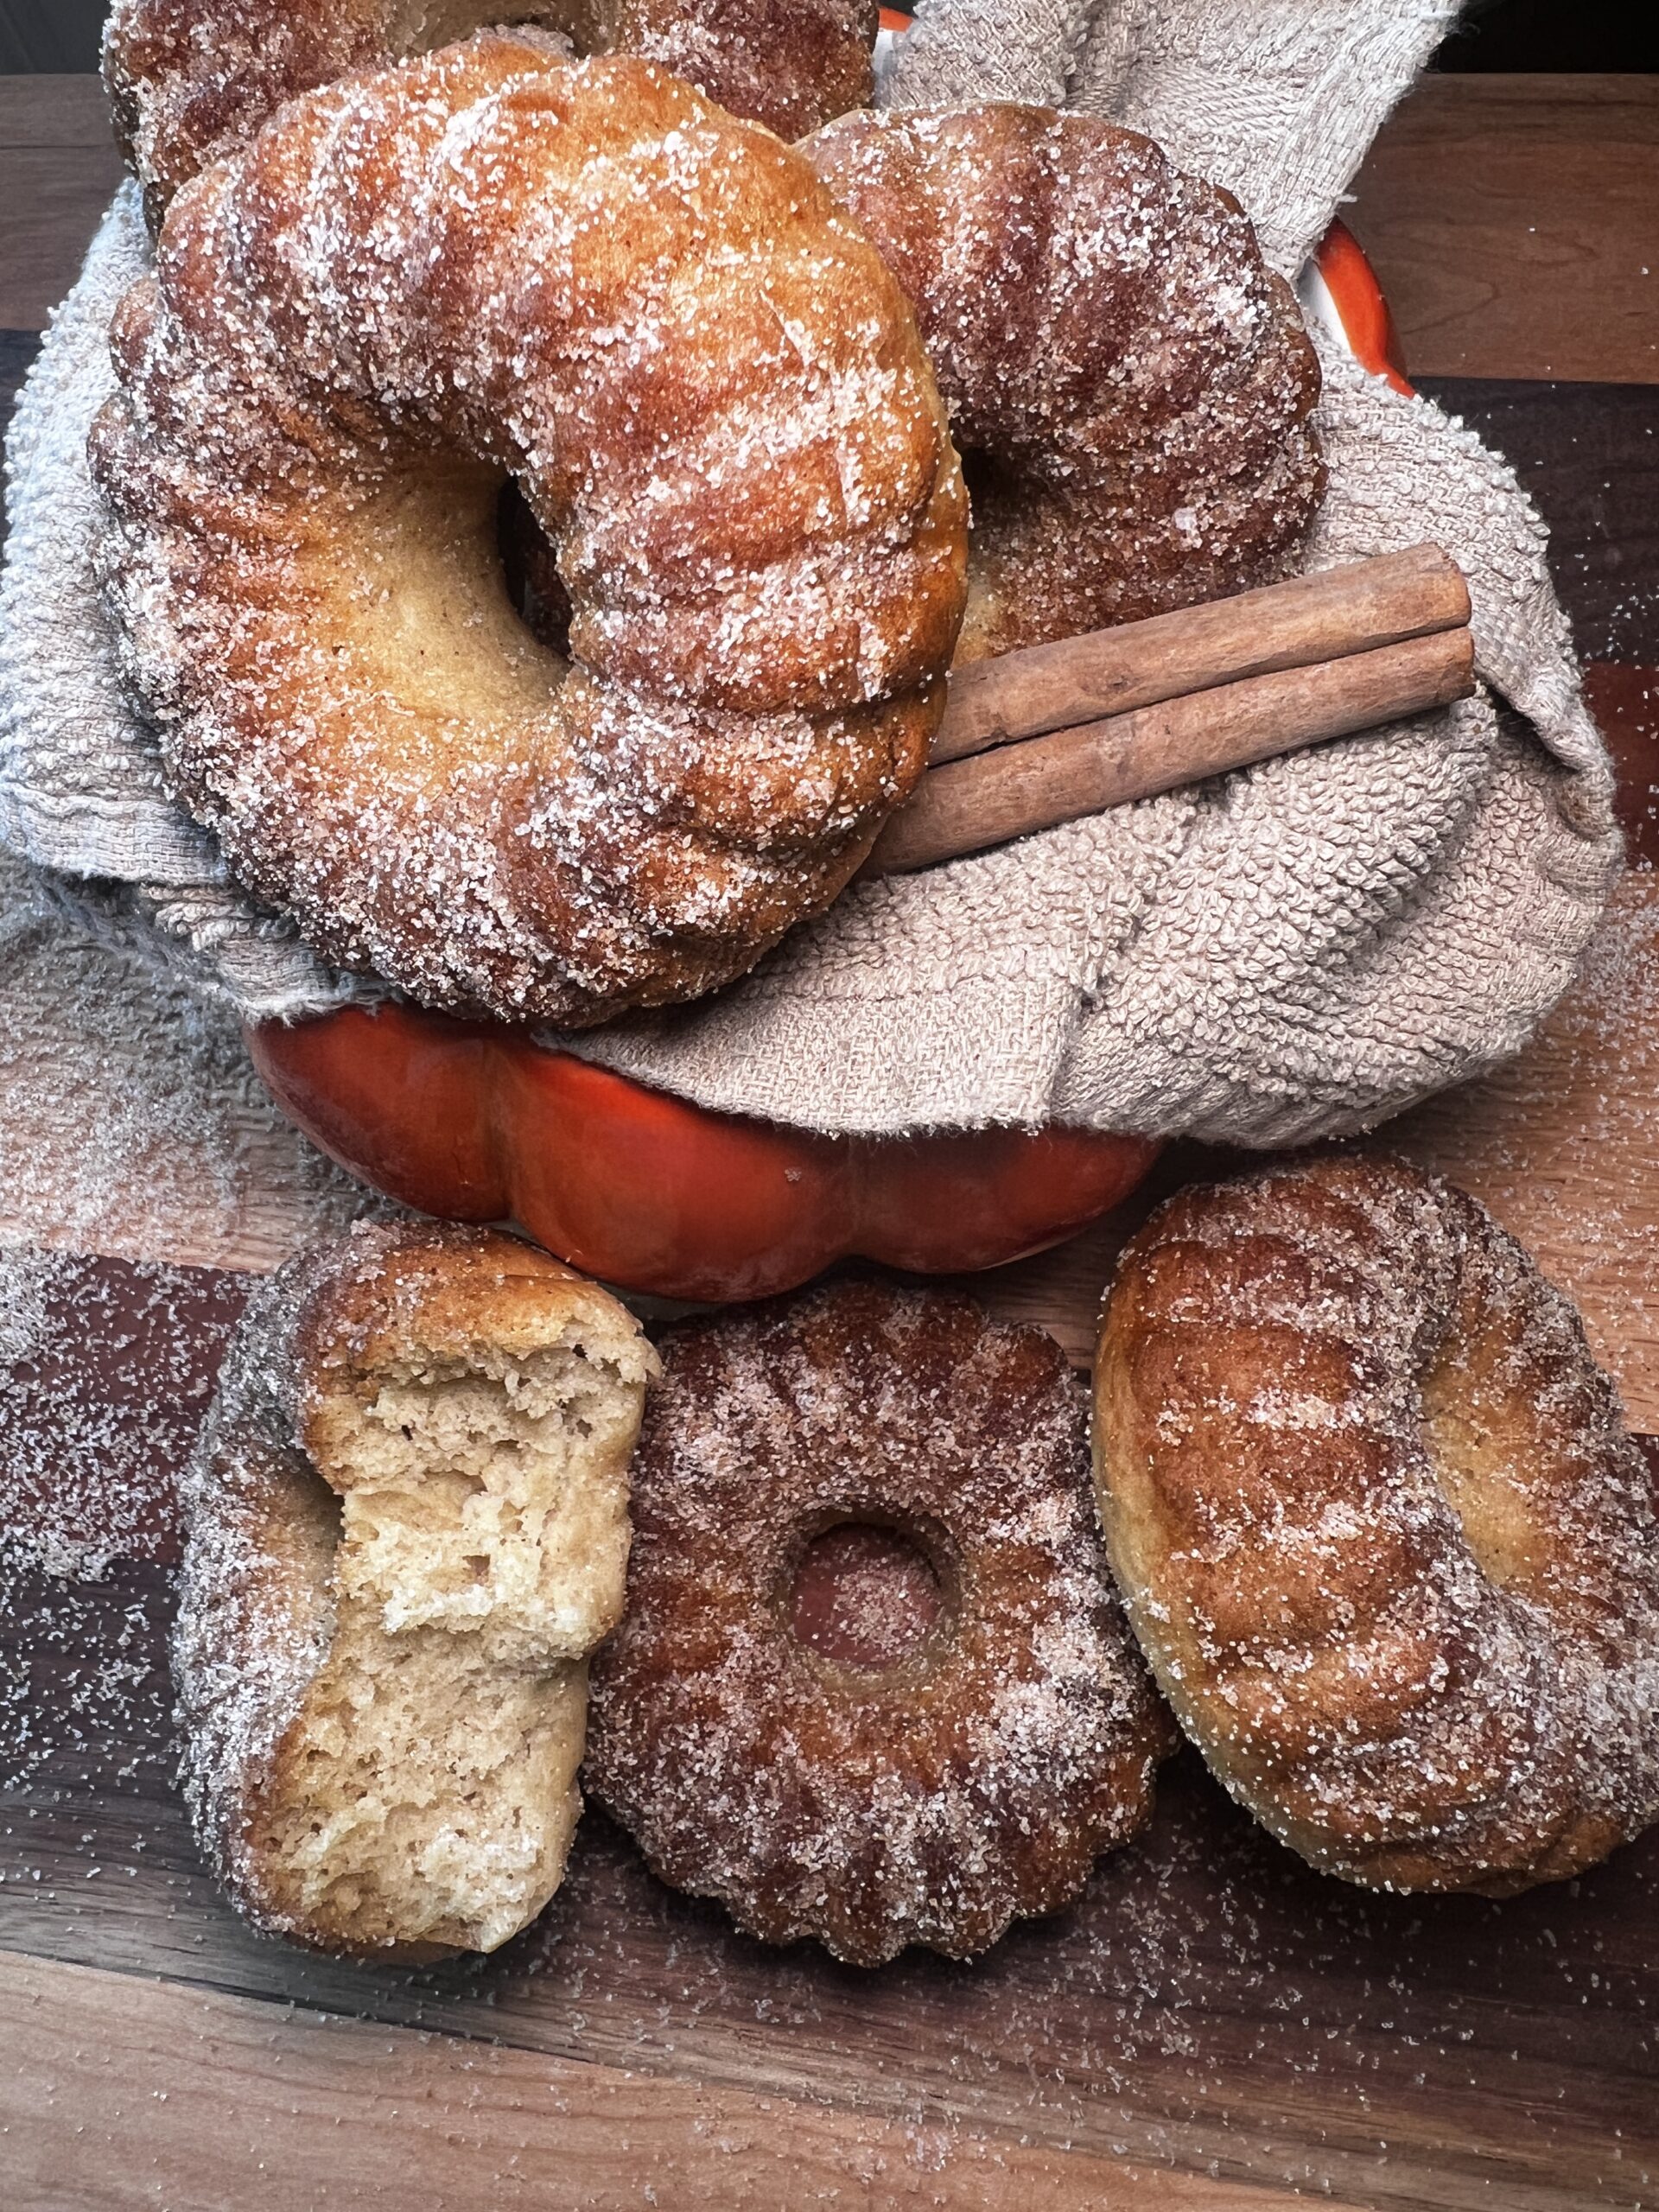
80,785
1295,951
133,1122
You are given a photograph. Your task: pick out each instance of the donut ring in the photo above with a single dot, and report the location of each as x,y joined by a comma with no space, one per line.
712,395
190,80
1130,386
408,1525
1380,1528
934,1799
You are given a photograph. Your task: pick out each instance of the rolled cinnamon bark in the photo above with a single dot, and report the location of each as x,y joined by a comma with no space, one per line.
1353,609
1018,789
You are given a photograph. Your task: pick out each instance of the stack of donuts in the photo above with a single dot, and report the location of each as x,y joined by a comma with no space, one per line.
732,394
855,1609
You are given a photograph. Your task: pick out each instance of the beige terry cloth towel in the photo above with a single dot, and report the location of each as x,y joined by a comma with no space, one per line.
1294,953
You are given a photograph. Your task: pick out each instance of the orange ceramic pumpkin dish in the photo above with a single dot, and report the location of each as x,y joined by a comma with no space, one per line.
476,1122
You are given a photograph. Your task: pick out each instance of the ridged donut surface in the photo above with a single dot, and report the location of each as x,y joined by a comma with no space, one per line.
935,1797
190,80
1381,1530
1130,386
490,265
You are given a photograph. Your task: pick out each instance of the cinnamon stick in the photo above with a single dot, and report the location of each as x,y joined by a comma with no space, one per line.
1353,609
990,797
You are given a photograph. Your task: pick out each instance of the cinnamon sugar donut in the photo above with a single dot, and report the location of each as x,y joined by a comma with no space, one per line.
489,263
407,1526
930,1799
1380,1528
1130,386
190,80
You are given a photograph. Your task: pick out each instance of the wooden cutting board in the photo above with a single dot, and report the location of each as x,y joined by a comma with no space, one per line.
1210,2005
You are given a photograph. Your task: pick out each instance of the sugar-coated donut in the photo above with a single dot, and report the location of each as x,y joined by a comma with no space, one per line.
1130,386
930,1800
407,1526
1381,1530
490,263
190,80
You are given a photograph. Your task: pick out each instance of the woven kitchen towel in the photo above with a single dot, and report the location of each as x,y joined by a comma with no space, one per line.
80,790
1296,951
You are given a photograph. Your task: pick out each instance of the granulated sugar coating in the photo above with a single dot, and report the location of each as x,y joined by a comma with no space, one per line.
930,1802
106,1367
1381,1530
494,263
1131,388
85,1711
189,87
133,1122
133,1125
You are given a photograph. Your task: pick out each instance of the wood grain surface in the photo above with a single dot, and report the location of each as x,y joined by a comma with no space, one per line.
1210,2006
1349,609
1514,225
288,2110
106,1367
1589,456
59,169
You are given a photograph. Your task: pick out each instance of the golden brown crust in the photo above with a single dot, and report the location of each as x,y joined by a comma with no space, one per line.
190,80
1380,1528
367,1300
1130,386
341,1759
930,1801
711,393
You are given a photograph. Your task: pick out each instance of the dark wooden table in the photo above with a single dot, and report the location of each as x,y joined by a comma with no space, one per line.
1213,2026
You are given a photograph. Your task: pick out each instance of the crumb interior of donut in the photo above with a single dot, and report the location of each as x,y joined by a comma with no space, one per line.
471,1502
429,1776
427,1803
865,1596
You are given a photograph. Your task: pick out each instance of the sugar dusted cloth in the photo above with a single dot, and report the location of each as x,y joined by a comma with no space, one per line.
80,789
1292,952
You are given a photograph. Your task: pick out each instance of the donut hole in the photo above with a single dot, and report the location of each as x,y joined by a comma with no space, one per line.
417,27
418,607
867,1594
1489,1458
529,566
